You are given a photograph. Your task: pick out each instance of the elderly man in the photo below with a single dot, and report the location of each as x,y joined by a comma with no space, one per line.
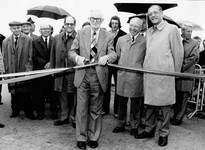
17,55
131,52
64,82
43,88
26,29
93,45
184,86
164,53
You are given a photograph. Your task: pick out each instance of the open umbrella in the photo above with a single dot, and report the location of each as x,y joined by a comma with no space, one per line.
143,16
47,11
138,8
196,27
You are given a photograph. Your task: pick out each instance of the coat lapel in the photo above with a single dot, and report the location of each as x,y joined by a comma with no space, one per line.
101,40
87,40
20,46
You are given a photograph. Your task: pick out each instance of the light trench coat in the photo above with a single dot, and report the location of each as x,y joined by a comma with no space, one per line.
164,53
130,54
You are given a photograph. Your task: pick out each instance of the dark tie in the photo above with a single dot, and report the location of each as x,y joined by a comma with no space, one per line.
16,41
133,38
93,50
46,42
183,42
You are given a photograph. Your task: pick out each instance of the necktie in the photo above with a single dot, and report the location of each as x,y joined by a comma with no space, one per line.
46,42
133,38
183,42
16,41
93,50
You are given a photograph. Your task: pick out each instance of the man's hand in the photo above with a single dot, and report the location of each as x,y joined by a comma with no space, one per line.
80,60
47,65
103,60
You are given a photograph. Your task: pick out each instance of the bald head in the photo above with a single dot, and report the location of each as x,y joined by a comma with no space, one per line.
44,26
45,30
135,26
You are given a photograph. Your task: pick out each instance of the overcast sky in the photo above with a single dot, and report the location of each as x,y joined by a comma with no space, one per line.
11,10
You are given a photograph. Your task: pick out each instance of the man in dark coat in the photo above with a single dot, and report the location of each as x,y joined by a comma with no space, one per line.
64,82
43,88
115,26
17,55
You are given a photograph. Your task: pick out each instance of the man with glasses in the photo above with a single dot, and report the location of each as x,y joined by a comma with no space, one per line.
115,26
64,81
43,88
164,53
91,45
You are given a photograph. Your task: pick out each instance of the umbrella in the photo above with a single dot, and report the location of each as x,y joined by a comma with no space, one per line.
47,11
138,8
143,16
196,27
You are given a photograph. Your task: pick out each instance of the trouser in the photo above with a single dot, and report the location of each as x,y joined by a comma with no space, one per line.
89,107
23,98
135,118
107,96
181,104
0,91
151,115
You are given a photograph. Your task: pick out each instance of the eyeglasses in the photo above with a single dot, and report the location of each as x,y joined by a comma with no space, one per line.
43,29
153,13
69,24
95,19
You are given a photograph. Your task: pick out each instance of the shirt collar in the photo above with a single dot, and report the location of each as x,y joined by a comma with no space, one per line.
159,26
16,36
45,38
134,36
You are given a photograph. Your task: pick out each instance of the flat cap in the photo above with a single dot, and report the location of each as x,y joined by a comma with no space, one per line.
28,23
15,23
30,20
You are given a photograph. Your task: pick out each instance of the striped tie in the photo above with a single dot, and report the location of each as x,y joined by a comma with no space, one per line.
93,50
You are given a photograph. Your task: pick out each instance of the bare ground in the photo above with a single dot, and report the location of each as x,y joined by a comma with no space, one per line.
23,134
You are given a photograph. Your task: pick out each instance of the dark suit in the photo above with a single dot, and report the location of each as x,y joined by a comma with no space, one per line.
112,71
202,58
43,88
91,83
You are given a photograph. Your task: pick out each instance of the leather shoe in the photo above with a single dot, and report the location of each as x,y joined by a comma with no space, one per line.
40,116
93,144
81,145
119,129
177,122
59,122
2,125
144,135
163,141
54,116
1,103
134,132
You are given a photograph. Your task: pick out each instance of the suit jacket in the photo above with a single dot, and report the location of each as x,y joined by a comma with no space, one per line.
59,59
41,54
17,59
191,57
81,46
202,58
130,54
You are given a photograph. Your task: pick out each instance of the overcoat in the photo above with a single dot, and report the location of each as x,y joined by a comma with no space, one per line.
59,59
81,46
18,59
130,54
191,57
164,53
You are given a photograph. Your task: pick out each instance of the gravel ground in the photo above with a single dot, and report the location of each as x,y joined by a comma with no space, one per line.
23,134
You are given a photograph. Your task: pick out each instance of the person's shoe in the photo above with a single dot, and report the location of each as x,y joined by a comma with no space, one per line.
2,125
128,124
177,122
39,116
116,115
31,116
119,129
81,145
93,144
144,135
54,116
59,122
134,132
163,141
1,103
13,115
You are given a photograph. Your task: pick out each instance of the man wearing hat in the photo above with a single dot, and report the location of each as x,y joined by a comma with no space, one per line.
27,29
17,55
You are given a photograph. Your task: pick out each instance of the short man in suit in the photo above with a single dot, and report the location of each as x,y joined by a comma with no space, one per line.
17,55
64,82
115,26
184,86
43,88
94,45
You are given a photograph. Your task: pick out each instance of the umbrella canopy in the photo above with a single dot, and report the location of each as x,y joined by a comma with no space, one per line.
48,12
196,27
138,8
143,16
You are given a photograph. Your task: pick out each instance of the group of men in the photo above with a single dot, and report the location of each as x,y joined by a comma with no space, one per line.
84,93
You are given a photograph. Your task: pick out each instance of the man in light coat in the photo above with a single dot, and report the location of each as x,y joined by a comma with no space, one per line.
131,52
94,45
184,86
164,53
